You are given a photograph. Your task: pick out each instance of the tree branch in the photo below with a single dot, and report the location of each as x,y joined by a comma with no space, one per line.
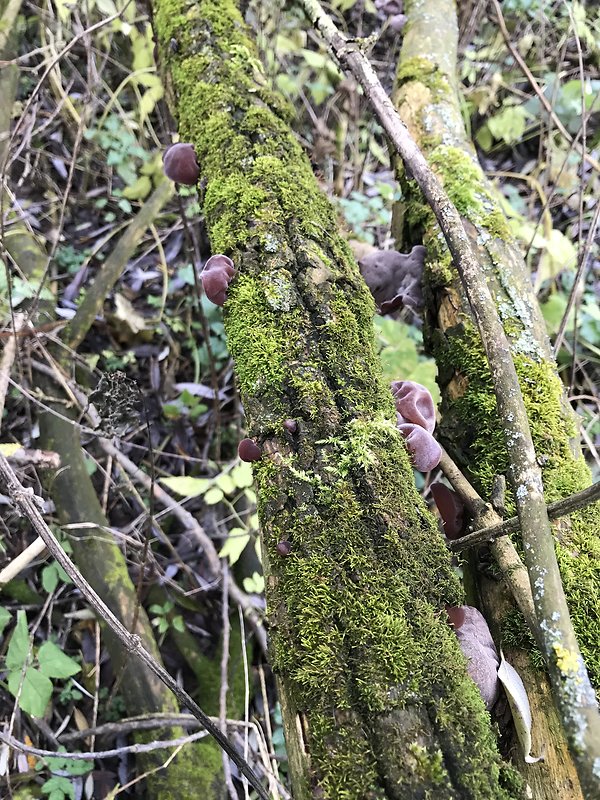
571,686
561,508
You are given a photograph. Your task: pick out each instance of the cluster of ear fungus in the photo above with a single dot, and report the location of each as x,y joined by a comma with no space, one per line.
478,647
180,164
395,279
415,415
451,509
216,277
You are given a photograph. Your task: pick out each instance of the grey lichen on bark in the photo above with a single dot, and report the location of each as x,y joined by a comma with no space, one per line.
376,700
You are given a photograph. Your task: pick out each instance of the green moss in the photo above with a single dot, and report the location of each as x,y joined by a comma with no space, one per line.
262,368
482,444
429,764
424,71
358,633
464,181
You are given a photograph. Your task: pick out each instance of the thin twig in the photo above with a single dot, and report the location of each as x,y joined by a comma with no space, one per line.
26,501
508,560
187,520
226,626
560,508
23,560
144,722
570,682
92,754
8,358
538,90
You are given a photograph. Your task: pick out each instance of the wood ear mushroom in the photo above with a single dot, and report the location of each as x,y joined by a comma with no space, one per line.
216,277
180,164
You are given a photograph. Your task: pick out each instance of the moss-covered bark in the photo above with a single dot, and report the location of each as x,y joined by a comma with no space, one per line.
428,102
375,695
427,98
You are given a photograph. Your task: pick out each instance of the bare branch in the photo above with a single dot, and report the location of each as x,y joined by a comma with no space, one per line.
561,508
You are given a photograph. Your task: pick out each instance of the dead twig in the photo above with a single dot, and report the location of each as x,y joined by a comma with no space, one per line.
560,508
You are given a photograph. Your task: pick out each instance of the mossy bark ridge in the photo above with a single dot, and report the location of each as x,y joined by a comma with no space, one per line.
427,99
376,700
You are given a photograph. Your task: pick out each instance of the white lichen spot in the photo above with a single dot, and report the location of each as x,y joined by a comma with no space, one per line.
279,291
271,243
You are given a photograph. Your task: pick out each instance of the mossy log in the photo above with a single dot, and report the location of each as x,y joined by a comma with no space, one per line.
427,99
375,696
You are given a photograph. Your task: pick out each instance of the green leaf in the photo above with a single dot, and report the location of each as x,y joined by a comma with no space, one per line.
509,124
56,664
553,310
255,584
315,60
35,691
50,578
18,647
225,483
559,255
179,624
57,788
237,540
213,496
241,475
138,190
186,486
400,357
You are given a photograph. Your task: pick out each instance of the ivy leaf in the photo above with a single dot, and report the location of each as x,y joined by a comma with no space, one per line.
241,475
54,663
187,487
35,691
225,483
213,496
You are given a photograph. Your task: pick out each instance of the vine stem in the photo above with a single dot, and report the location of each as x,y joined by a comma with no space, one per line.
570,682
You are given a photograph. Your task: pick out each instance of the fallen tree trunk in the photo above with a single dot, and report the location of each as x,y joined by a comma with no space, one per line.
427,99
376,700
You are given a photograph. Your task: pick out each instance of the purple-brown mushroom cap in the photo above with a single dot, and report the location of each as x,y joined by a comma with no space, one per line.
290,425
425,451
450,507
478,647
284,548
394,279
248,450
216,277
414,403
180,164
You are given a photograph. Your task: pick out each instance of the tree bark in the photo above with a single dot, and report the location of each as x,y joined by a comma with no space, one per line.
375,696
427,98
